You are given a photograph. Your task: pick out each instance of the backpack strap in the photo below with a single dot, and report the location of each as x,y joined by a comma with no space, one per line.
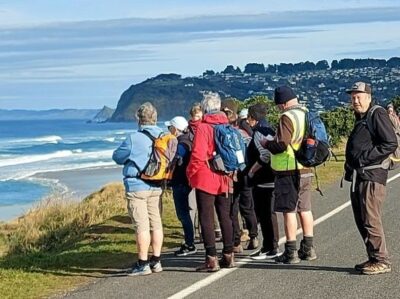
148,134
368,121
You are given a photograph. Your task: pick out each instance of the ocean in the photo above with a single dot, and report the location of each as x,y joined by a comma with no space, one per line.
29,148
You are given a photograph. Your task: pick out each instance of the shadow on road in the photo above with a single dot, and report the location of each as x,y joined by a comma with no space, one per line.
299,267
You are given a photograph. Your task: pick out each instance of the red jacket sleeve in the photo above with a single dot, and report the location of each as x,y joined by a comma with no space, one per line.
200,151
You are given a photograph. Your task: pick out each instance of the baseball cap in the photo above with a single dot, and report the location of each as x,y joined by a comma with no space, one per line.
243,113
360,87
178,122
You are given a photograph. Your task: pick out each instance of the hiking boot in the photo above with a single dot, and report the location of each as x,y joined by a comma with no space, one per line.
288,257
238,249
139,270
186,250
360,267
306,253
211,265
227,260
252,244
155,266
263,254
374,268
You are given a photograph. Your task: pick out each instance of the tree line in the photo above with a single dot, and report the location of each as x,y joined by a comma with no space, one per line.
289,68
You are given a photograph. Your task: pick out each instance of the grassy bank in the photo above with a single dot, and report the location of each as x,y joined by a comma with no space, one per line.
66,245
61,245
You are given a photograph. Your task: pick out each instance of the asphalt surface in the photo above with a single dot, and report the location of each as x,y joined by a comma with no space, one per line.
339,248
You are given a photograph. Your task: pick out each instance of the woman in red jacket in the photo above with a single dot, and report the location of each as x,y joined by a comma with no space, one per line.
212,188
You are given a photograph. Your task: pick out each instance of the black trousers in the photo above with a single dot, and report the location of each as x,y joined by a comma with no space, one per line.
243,201
205,205
264,203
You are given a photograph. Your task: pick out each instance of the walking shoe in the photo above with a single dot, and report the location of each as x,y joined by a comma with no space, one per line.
263,254
186,250
238,249
139,270
252,244
374,268
211,265
306,253
227,260
360,267
155,266
288,257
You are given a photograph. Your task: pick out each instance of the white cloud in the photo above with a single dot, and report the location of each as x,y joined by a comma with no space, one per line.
101,56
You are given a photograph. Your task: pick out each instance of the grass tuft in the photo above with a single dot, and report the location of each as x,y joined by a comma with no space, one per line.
57,222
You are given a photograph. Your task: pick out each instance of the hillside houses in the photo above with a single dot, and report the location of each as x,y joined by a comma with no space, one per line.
319,89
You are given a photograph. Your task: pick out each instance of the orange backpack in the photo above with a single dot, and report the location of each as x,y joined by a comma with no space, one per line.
158,167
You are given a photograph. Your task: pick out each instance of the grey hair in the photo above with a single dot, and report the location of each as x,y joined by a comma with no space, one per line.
211,102
147,114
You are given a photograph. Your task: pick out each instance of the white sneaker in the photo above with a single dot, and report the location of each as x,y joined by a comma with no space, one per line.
265,255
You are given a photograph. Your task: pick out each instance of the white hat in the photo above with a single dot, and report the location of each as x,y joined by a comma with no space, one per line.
243,113
178,122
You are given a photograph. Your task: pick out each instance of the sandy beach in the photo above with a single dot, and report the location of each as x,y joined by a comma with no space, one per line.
76,183
82,182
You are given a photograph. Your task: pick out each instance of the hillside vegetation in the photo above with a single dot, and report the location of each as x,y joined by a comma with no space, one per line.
319,86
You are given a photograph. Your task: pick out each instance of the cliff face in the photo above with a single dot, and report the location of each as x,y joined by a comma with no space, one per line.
104,115
171,95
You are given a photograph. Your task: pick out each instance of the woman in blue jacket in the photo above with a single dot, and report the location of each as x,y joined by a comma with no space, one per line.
143,199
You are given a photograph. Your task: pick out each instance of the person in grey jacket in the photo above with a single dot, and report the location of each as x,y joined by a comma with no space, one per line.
143,199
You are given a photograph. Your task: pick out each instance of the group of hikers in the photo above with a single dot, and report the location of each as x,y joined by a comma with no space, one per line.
270,180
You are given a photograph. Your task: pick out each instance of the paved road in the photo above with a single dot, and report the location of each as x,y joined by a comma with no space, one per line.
339,247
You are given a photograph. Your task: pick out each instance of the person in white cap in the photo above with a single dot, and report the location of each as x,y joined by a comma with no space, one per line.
243,123
180,185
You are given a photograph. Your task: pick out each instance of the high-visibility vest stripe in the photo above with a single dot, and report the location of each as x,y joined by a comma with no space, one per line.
286,161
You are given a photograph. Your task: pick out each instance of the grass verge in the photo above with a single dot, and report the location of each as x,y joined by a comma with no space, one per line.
332,170
95,246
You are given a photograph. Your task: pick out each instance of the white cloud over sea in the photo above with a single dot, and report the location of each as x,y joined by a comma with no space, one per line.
82,61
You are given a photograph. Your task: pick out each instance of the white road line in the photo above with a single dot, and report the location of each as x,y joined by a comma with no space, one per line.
223,272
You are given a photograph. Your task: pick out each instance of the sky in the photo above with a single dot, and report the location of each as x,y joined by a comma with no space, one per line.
84,54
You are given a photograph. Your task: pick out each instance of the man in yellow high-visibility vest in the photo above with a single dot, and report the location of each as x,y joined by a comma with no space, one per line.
293,180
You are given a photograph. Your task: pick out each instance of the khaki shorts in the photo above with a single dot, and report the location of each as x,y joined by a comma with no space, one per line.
144,210
290,200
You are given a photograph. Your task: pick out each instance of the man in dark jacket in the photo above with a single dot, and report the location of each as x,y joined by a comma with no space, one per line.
366,150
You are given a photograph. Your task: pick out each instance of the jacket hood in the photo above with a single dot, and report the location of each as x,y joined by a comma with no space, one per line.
153,130
193,124
215,118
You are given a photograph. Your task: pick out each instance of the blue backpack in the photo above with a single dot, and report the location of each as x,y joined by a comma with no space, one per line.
314,149
230,149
